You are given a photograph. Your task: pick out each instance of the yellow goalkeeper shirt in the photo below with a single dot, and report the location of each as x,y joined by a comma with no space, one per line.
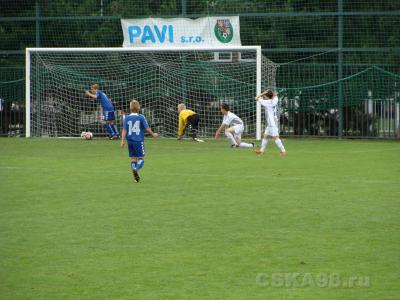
183,115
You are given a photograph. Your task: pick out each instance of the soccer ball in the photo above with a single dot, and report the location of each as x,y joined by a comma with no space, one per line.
87,135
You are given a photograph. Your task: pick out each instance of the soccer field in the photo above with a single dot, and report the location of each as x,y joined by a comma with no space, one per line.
205,222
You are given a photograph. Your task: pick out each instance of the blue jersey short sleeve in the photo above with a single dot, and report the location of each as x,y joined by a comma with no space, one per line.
135,126
145,125
104,101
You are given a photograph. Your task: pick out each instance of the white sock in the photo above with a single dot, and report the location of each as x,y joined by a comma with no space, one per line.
279,144
245,145
230,138
263,144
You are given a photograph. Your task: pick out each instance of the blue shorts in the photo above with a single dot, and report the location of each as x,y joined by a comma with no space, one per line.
136,149
108,115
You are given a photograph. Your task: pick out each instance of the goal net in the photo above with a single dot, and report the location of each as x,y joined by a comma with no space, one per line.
159,79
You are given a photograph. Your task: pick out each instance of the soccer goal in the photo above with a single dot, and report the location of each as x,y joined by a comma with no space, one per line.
160,78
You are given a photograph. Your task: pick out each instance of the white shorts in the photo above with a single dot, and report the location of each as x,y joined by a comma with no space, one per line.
238,130
271,131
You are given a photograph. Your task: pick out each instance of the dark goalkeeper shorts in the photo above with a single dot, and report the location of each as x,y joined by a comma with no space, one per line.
193,123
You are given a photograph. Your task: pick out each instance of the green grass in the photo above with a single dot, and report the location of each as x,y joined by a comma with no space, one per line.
204,223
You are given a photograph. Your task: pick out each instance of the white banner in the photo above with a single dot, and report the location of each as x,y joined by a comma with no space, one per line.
181,32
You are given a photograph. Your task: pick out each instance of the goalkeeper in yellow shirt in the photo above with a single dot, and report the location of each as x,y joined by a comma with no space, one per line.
188,119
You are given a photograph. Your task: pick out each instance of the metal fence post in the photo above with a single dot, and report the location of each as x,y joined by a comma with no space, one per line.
340,67
37,17
184,7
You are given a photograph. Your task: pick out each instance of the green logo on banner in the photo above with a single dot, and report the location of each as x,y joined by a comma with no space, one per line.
223,31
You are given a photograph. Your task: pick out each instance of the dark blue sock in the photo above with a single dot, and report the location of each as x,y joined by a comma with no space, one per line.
133,165
139,164
109,129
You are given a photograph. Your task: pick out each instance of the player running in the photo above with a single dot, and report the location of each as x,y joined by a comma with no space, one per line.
188,118
134,126
108,110
234,130
269,100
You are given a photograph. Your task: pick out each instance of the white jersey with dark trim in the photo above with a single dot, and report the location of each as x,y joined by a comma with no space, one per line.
230,119
271,107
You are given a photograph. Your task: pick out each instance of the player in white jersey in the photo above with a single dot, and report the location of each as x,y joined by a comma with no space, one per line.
269,100
235,128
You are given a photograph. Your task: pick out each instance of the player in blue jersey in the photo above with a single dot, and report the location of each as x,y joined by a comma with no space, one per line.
108,110
134,126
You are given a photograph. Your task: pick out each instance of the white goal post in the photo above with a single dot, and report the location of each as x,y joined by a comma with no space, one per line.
56,79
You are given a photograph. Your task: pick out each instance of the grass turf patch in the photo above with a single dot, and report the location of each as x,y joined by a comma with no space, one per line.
205,222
